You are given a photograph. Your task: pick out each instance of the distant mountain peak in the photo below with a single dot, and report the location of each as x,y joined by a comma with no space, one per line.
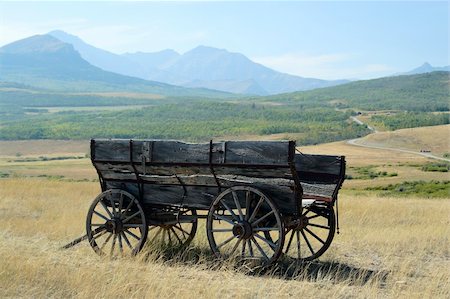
36,44
65,37
426,67
207,50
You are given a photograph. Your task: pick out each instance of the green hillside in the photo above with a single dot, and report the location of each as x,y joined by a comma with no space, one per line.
423,92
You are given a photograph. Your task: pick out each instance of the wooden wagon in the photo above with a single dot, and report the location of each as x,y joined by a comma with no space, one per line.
260,199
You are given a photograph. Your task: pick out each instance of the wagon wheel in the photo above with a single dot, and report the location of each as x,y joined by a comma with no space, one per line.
116,224
308,237
177,232
237,224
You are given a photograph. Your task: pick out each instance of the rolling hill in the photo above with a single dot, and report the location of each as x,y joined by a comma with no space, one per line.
46,62
421,92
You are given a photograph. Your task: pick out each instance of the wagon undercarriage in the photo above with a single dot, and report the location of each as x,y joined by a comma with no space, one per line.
260,200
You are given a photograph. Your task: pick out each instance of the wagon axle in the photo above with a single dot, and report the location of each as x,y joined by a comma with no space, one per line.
243,230
114,225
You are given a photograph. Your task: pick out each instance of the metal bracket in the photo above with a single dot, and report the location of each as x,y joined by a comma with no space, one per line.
211,166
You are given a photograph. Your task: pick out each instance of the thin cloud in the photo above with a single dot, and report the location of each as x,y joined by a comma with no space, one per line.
325,66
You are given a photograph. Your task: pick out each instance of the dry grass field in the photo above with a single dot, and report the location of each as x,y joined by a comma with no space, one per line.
388,247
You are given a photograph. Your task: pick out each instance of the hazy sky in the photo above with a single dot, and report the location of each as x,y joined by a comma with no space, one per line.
329,40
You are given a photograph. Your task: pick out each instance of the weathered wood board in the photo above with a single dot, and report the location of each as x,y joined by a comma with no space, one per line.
320,169
176,152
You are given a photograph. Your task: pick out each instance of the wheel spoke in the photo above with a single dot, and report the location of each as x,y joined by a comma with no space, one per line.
113,245
120,204
229,210
98,234
131,234
157,234
106,241
290,241
250,248
106,208
235,246
182,230
307,242
314,216
271,244
243,248
259,248
226,241
131,217
113,206
262,218
247,205
238,204
314,235
168,235
98,224
298,244
173,231
126,240
318,225
120,244
100,215
129,205
261,199
220,217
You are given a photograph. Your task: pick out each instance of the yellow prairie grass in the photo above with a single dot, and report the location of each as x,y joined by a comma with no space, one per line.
387,248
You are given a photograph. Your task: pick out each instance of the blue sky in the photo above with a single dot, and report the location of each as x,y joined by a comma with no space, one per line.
329,40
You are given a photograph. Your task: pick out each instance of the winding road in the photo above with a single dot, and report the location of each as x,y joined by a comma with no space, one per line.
355,143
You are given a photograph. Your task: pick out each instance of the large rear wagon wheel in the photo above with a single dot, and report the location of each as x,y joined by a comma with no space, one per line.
116,224
237,222
309,236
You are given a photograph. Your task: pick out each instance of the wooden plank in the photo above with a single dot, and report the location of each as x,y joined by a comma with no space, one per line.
249,171
116,150
319,168
180,170
257,152
176,152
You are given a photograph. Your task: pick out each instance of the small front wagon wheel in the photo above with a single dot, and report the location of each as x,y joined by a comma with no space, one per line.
309,236
116,224
237,222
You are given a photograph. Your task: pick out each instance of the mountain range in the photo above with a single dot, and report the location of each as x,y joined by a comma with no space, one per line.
46,62
63,62
202,66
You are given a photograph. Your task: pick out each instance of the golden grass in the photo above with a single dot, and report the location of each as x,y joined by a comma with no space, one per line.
435,139
388,247
44,147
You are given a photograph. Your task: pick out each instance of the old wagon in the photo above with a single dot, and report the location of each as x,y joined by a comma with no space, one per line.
260,199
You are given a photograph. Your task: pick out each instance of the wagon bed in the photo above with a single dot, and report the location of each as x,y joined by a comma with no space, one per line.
268,195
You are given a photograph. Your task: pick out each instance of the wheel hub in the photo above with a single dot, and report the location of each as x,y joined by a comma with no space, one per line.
114,225
243,230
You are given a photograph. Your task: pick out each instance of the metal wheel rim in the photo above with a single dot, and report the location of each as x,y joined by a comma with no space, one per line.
112,207
256,246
